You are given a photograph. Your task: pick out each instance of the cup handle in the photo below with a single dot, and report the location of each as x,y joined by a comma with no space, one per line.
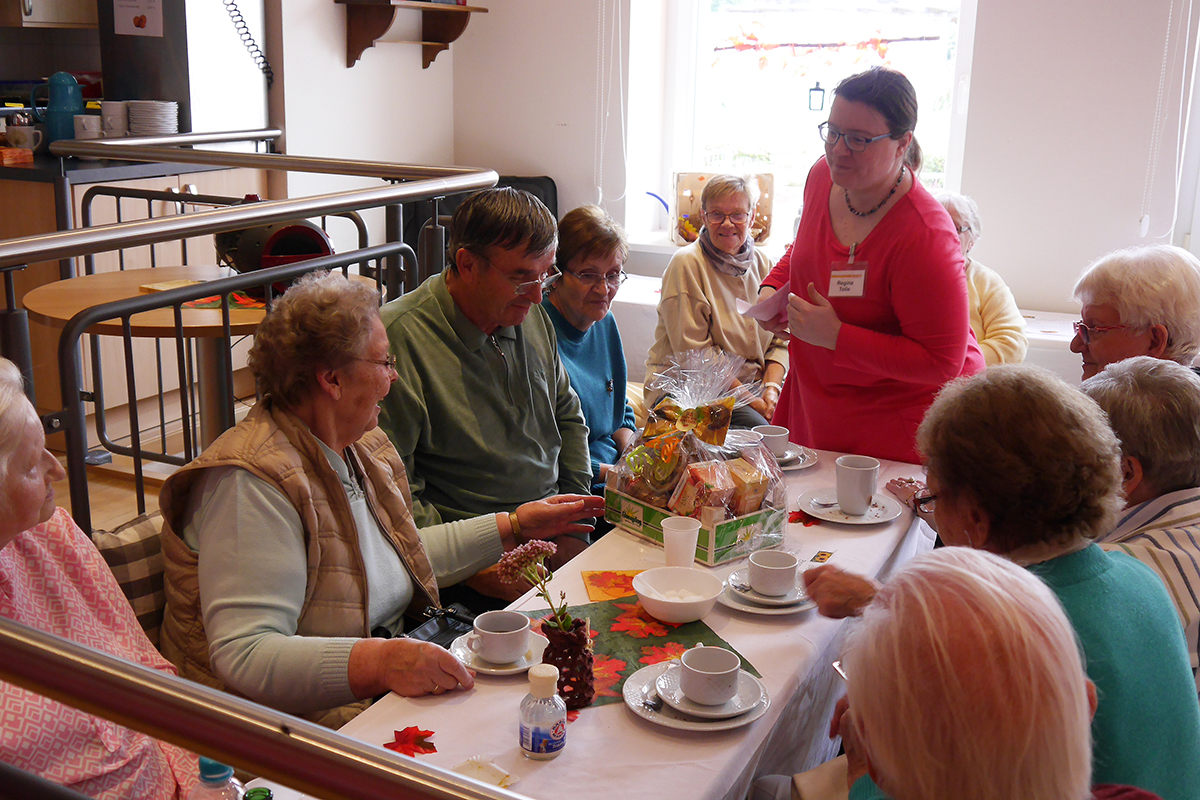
37,140
473,643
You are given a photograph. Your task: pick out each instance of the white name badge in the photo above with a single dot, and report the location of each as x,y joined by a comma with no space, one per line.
847,282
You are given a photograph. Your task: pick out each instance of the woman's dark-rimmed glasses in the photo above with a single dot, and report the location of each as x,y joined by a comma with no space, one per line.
854,142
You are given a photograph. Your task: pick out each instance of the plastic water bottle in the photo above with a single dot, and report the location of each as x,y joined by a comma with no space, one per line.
543,715
216,782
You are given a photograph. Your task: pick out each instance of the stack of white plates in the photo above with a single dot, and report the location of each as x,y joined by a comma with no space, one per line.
153,117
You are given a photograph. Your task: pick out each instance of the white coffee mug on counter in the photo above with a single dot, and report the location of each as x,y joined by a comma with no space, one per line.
709,675
500,637
26,137
857,478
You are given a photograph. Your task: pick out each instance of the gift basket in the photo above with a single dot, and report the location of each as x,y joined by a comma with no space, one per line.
687,462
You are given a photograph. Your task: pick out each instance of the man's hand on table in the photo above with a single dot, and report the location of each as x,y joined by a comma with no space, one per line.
404,666
559,516
838,593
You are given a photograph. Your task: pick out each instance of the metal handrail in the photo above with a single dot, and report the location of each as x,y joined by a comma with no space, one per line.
277,746
68,244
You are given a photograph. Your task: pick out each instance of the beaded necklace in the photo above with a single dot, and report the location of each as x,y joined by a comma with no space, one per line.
895,186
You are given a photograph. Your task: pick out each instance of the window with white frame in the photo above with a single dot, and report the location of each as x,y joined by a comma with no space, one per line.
746,82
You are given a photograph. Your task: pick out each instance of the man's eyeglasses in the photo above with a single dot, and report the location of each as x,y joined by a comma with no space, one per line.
923,501
525,287
717,218
613,279
854,142
1088,332
389,362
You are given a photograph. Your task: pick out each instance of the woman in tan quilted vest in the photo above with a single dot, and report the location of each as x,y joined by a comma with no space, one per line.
291,553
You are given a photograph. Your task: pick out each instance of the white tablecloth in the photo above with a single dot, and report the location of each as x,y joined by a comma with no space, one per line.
610,752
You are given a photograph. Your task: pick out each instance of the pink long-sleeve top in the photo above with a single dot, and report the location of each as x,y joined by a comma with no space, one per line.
907,335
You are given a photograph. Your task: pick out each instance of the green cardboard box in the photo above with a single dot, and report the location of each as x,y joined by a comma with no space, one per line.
731,539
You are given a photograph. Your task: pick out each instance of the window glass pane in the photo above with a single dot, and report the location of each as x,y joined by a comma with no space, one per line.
757,61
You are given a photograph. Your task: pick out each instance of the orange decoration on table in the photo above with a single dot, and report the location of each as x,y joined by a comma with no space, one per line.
412,741
802,517
609,584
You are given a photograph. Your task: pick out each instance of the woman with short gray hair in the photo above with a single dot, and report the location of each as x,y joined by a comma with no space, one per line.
1142,301
995,319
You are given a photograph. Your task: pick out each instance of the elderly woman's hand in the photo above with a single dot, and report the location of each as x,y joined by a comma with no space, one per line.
838,593
559,515
843,725
404,666
813,320
905,489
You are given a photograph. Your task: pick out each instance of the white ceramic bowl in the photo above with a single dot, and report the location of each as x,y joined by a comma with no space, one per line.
654,587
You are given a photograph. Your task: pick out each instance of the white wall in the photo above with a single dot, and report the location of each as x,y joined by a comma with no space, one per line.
385,107
1058,139
534,81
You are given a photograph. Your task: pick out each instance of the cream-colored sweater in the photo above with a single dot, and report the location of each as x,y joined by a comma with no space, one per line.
698,308
995,318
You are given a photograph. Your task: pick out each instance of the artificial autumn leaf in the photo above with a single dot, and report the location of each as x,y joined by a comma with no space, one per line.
802,517
656,654
606,673
412,741
638,624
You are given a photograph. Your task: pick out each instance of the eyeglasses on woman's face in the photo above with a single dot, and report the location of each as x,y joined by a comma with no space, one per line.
389,362
718,218
1089,332
592,278
855,142
924,500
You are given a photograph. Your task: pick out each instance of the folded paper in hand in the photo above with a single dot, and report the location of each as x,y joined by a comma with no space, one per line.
773,307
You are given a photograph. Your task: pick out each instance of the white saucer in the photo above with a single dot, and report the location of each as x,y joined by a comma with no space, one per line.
728,599
750,693
796,595
537,643
669,717
797,457
883,508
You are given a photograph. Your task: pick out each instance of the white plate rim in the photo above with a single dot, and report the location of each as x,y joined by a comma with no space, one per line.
808,459
892,508
762,599
745,679
730,600
669,717
537,643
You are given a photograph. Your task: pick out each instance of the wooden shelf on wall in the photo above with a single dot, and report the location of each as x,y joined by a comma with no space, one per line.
368,20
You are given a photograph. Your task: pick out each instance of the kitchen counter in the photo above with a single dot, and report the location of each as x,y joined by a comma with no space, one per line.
49,169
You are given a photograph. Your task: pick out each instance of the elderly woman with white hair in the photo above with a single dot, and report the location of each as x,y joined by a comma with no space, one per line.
1154,408
1024,466
1143,301
995,319
53,579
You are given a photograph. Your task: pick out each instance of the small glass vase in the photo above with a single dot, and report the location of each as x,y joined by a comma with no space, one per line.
571,652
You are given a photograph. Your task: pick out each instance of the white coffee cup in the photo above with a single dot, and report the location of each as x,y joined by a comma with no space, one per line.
709,675
857,477
773,572
774,437
87,122
680,537
23,136
500,637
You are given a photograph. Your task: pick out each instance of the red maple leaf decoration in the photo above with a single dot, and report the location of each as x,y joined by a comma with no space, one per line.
614,582
606,672
655,654
802,517
638,624
412,741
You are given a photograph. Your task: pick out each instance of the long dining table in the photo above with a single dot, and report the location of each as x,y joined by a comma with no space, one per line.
611,751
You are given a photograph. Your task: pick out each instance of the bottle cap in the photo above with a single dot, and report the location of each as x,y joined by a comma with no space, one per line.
543,680
213,771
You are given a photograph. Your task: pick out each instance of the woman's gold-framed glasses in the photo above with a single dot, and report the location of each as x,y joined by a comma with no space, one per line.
613,279
389,362
1088,332
717,218
854,142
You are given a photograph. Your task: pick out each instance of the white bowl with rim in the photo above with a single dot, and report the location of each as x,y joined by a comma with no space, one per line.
677,594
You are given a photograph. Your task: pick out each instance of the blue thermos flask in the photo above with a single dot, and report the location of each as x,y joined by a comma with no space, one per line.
64,101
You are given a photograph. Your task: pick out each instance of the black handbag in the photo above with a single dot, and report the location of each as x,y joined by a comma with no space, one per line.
444,625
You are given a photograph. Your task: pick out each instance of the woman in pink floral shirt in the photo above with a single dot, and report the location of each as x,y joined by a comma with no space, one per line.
53,579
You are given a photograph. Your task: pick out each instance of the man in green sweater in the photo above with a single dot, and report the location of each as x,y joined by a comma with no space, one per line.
483,413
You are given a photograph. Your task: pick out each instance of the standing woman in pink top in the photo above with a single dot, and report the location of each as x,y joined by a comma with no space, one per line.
878,306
